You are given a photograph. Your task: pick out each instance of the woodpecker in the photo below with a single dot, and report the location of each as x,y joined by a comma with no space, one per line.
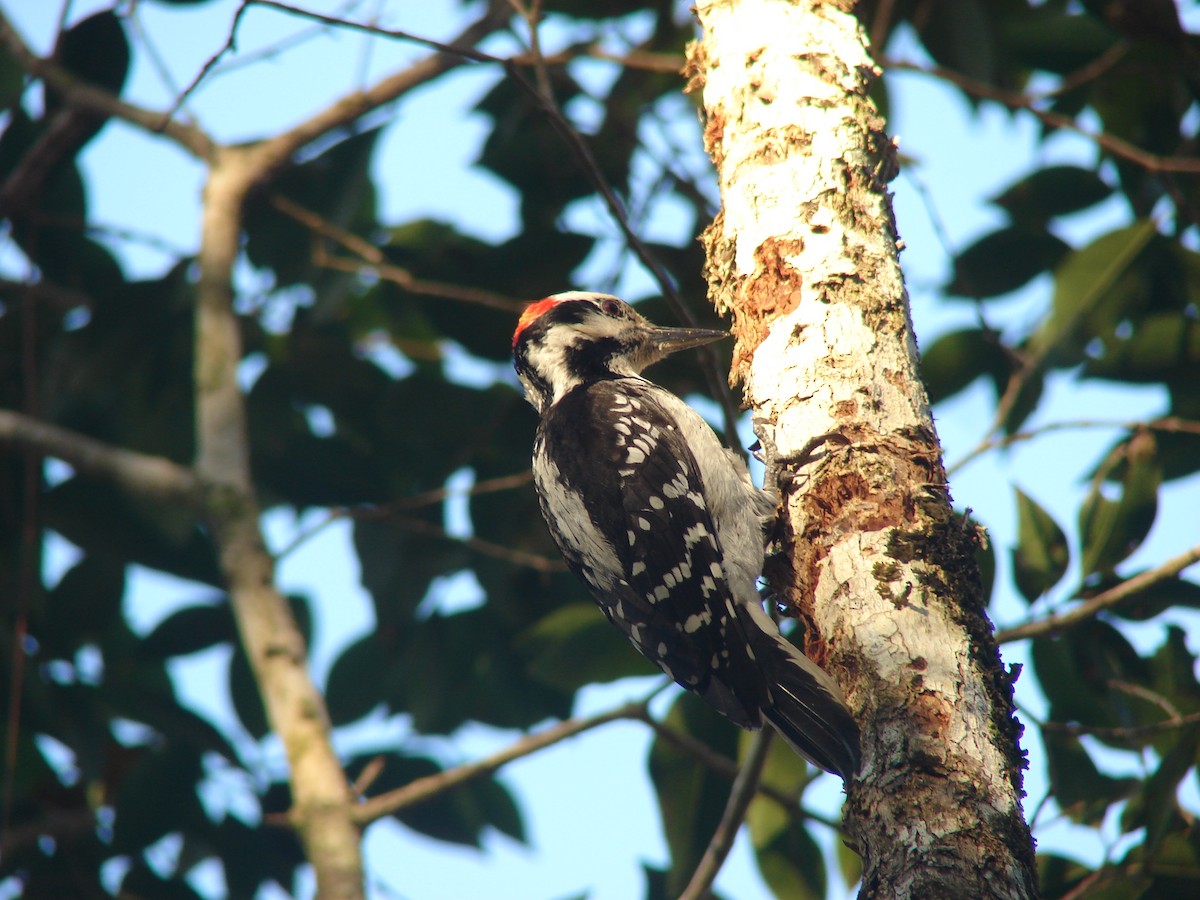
663,523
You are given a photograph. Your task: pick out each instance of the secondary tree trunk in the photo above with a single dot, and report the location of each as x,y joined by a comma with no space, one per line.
875,563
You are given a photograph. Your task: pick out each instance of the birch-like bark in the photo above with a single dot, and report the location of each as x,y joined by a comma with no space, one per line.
874,562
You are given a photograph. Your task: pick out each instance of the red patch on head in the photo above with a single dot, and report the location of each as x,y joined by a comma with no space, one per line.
532,312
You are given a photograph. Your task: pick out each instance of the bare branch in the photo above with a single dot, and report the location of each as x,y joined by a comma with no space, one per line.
79,94
745,786
428,498
1129,732
276,152
1056,624
274,645
153,477
1170,424
376,261
517,557
424,788
1152,162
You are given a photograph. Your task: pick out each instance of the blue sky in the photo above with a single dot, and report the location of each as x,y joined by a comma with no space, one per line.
590,813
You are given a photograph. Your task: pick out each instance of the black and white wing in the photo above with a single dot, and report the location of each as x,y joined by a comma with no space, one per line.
643,539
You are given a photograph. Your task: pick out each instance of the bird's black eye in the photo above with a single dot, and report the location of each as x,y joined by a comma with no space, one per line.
613,308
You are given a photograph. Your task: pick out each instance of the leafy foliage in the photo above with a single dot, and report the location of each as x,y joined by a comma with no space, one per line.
358,409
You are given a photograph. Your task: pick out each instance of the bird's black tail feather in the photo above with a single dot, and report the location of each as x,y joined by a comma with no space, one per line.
807,707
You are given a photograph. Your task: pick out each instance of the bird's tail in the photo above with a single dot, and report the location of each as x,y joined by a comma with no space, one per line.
807,707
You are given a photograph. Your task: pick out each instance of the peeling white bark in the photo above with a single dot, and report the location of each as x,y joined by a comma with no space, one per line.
805,255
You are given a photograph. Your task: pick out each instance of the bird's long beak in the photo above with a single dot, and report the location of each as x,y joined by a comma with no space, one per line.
665,341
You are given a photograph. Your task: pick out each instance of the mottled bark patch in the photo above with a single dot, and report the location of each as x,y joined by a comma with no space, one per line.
772,291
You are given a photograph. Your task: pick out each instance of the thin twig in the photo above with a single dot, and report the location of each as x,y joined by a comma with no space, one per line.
1152,162
1086,73
532,16
81,95
1118,733
745,786
424,788
377,262
1056,624
385,510
535,561
1170,424
230,42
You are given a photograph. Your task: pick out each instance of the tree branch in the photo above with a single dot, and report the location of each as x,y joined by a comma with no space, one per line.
268,631
152,477
745,786
81,95
1152,162
276,152
1056,624
424,788
535,561
1169,424
1127,732
372,257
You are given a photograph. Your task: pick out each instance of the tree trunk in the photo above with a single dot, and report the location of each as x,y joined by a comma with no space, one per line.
874,561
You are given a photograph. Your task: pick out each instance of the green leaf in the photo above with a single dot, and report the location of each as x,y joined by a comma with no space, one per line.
1005,260
158,797
956,359
1173,860
1041,556
786,772
1049,39
12,80
575,645
1112,529
961,37
849,863
1093,286
190,630
96,51
142,881
101,519
83,605
1080,789
244,693
458,815
251,856
1057,875
525,149
335,186
792,864
1052,191
1161,347
1086,674
450,669
1156,806
354,688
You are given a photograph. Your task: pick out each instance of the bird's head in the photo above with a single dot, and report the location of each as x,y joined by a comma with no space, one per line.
578,337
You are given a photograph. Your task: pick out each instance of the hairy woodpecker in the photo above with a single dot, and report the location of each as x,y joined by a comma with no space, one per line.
662,522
